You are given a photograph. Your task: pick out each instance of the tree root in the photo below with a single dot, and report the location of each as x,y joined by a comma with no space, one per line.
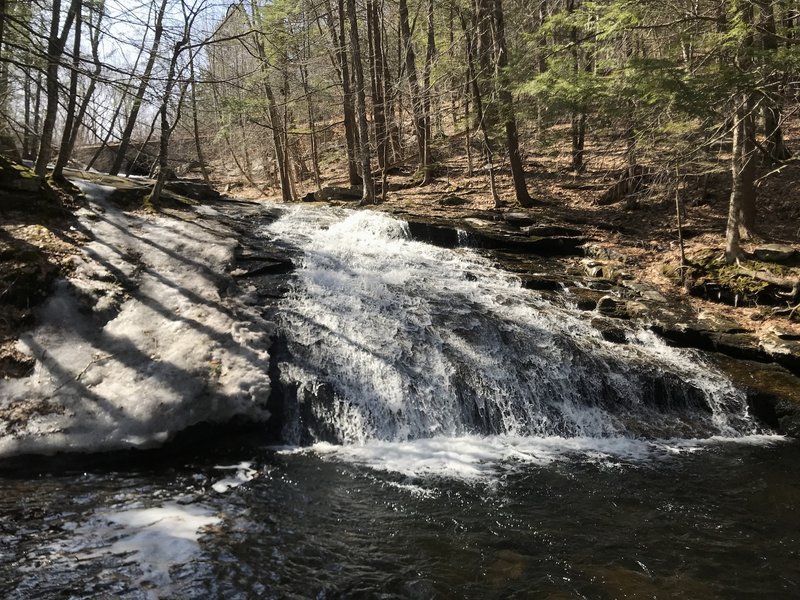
768,277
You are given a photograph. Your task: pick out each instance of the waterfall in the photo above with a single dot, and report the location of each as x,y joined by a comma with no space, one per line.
390,339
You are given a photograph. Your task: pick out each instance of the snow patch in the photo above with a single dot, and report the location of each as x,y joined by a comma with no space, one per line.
138,342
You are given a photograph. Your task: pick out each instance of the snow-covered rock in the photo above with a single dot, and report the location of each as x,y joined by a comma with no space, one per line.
138,342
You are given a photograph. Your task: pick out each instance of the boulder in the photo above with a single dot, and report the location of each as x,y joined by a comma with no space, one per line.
610,330
598,269
612,307
775,253
452,200
327,194
585,298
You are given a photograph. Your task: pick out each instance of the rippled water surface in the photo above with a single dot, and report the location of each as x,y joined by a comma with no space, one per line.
722,522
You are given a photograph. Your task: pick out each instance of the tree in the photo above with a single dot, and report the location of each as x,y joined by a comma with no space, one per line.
55,48
144,83
189,13
506,100
368,186
72,100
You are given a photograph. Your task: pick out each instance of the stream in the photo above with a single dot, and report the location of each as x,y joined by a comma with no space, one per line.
437,431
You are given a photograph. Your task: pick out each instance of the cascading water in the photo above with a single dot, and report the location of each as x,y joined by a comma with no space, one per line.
391,339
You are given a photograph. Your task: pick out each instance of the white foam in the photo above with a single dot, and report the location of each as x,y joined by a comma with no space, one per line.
144,543
244,472
484,458
137,342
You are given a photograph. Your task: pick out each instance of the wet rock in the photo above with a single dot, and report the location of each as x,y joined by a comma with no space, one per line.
636,310
654,296
730,340
773,393
196,190
478,233
585,298
519,219
598,269
775,253
452,200
784,348
610,330
540,282
612,307
551,230
432,233
603,253
717,323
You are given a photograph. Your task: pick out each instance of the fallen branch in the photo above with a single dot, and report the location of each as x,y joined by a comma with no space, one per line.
788,311
95,360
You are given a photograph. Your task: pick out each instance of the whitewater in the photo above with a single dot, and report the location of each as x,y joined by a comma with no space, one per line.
416,359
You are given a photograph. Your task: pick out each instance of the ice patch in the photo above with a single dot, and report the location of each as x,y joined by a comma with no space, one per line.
137,342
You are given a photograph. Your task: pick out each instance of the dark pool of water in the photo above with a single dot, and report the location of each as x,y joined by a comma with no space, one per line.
721,523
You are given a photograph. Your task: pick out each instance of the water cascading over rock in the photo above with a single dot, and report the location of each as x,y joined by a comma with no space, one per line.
391,339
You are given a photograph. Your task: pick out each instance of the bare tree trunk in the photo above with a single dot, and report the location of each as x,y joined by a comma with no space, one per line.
163,151
578,117
773,126
98,67
139,98
311,126
749,165
27,98
578,129
541,67
276,125
430,55
411,72
377,69
368,190
189,15
36,138
72,101
733,249
55,48
479,113
512,139
195,122
467,129
339,41
5,146
226,136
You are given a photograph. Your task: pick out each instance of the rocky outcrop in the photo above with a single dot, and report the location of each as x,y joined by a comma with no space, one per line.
481,233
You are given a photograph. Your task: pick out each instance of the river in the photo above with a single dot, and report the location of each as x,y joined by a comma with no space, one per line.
438,432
